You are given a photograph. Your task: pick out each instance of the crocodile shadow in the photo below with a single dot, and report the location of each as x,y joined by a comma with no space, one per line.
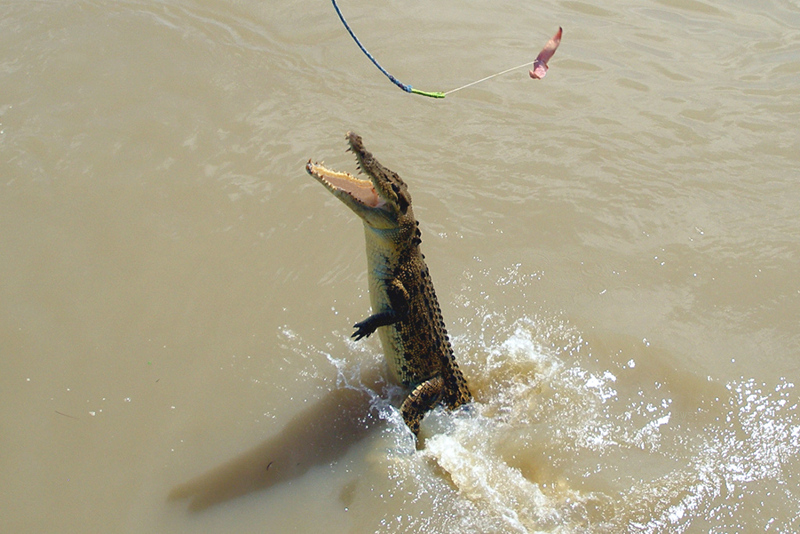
317,436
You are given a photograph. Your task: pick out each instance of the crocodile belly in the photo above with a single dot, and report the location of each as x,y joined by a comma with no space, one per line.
394,350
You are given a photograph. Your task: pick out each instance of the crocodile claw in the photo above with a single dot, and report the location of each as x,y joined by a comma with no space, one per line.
363,329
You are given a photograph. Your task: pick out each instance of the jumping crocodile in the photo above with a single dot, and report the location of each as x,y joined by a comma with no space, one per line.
405,311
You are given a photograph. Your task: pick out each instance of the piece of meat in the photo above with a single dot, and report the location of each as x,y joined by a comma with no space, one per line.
540,65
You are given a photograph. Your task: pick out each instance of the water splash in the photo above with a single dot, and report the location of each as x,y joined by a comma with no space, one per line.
550,446
561,440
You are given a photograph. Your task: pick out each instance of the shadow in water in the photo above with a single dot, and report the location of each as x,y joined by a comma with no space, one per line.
317,436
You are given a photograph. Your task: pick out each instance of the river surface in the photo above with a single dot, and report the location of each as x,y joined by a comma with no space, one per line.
615,249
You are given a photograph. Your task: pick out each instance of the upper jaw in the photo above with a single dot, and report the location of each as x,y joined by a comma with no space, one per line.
387,184
365,197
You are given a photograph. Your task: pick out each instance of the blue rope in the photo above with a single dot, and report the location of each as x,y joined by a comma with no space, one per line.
398,83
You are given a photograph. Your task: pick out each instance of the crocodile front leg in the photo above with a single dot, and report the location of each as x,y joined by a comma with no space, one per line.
420,401
398,310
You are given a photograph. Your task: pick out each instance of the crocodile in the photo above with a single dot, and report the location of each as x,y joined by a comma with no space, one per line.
405,310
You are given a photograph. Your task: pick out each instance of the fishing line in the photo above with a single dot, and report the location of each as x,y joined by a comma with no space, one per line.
487,78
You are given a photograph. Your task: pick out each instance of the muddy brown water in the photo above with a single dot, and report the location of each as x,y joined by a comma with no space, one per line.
615,249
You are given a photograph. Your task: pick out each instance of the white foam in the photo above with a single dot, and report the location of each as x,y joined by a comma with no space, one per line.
488,469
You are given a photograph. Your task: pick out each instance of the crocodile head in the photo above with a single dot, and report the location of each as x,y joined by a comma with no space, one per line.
382,201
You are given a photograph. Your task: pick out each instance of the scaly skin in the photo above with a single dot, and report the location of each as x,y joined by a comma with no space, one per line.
406,313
